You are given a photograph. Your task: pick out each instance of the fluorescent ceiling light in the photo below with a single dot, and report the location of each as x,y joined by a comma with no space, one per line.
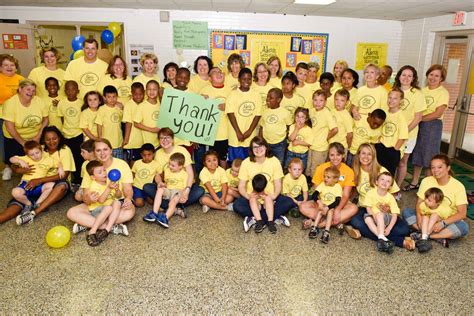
315,2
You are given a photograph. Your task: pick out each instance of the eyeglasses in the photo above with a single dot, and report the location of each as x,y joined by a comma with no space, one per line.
165,138
257,146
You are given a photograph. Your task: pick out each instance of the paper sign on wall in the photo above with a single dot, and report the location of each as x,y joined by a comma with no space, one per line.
136,52
371,53
190,34
15,41
190,116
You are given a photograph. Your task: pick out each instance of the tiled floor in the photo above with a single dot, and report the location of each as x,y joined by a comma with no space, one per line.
207,264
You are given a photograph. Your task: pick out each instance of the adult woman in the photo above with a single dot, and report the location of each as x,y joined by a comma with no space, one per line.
169,74
49,58
412,107
54,146
339,67
366,170
345,210
202,66
274,64
117,76
454,192
193,191
312,77
81,215
261,77
428,141
349,81
149,63
260,161
234,64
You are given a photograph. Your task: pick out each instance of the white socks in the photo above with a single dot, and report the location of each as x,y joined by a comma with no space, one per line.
382,237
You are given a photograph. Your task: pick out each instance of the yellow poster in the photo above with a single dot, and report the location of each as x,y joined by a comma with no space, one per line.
255,47
371,53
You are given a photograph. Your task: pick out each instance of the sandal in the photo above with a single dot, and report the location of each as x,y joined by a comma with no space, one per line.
92,240
102,235
410,187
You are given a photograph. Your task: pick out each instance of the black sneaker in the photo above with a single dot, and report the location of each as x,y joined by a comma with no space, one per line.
380,245
260,226
423,245
313,232
340,229
389,247
272,227
415,236
325,236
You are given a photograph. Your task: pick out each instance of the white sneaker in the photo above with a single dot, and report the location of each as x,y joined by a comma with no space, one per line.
7,173
205,209
120,229
230,207
76,228
282,220
249,221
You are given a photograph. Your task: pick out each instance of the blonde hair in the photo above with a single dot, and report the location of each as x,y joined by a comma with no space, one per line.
374,168
272,59
26,83
149,56
255,71
371,65
49,49
344,65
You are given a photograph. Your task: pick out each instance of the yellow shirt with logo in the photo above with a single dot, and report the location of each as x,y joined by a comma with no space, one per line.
126,176
363,185
291,104
100,188
270,168
70,112
123,87
27,119
110,118
245,106
323,121
163,158
231,82
144,80
196,84
344,123
231,180
412,103
393,129
262,92
175,180
434,98
307,95
443,210
220,94
87,120
41,167
144,173
87,75
275,82
39,76
275,124
362,133
369,99
63,156
328,194
136,139
147,114
53,116
216,179
294,187
305,134
454,192
375,201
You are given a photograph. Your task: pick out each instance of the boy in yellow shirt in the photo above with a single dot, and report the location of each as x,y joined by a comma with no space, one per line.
51,101
109,119
303,89
326,81
295,186
175,180
343,119
132,139
146,116
257,198
144,171
233,178
87,153
31,197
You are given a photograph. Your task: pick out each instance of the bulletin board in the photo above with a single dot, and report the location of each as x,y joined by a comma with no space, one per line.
255,47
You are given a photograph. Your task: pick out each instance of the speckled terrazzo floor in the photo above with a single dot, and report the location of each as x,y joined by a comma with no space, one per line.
207,264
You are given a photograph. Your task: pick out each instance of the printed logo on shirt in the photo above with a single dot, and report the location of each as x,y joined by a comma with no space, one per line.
123,91
115,117
361,131
31,121
429,100
143,174
365,187
290,108
155,115
215,183
299,137
329,197
389,129
272,119
366,102
404,104
71,112
89,79
296,190
447,199
246,109
172,181
314,121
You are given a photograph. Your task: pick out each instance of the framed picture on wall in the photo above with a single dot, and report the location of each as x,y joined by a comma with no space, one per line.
290,60
295,44
217,41
306,47
229,42
317,45
246,57
241,42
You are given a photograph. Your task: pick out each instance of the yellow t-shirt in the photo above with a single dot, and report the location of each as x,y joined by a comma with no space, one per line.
344,123
245,106
328,194
64,155
39,76
41,167
346,179
87,120
99,188
136,138
294,187
307,95
322,121
144,80
443,210
231,82
413,103
363,185
374,201
275,124
369,99
336,86
147,114
454,192
216,179
352,98
123,87
166,85
9,86
53,116
70,112
163,158
362,133
126,175
262,92
275,82
27,119
83,168
110,118
220,94
330,103
271,168
87,75
231,180
393,129
305,134
144,173
291,104
196,84
435,98
313,86
175,180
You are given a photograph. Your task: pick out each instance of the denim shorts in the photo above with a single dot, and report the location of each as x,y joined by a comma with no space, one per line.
32,194
138,193
95,212
219,194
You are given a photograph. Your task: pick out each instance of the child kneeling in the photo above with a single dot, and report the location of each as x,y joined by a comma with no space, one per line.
259,198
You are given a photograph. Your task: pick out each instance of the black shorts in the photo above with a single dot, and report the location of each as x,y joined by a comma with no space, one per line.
12,148
222,148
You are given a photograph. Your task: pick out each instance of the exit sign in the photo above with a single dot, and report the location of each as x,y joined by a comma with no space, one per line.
460,18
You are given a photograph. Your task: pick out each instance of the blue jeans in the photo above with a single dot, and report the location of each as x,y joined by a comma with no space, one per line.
290,155
349,159
283,204
194,195
199,157
398,233
279,150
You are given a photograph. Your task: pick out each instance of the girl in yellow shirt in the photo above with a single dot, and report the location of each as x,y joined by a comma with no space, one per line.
291,100
300,137
146,115
338,69
92,101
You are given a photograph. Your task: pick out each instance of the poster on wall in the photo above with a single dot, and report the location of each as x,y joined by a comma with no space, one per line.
190,34
255,47
15,41
136,52
371,53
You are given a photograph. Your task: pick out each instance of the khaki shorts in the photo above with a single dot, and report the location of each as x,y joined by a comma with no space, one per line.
169,194
315,158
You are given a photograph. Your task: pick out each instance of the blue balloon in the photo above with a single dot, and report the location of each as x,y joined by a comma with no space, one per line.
78,42
107,36
72,56
114,175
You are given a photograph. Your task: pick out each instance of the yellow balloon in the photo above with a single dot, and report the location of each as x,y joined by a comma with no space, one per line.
58,237
78,53
115,28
